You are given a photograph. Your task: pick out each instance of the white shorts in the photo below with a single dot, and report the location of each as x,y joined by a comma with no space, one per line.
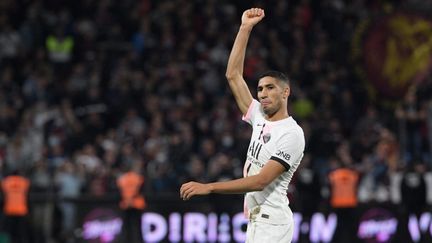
259,232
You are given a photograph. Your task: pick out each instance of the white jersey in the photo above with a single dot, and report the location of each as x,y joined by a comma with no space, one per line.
282,141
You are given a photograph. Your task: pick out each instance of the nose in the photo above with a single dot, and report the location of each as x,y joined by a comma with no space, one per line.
262,94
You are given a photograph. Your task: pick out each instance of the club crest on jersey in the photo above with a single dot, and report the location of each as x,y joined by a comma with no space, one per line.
266,137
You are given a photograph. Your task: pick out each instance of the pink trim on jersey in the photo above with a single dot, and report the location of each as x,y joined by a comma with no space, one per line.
245,208
247,163
248,115
267,128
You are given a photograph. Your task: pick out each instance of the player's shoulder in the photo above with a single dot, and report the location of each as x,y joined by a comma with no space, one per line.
292,129
292,126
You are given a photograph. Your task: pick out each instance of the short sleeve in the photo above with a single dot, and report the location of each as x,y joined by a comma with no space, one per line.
251,114
289,149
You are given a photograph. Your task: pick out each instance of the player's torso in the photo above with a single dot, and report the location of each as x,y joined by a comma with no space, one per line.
262,145
271,201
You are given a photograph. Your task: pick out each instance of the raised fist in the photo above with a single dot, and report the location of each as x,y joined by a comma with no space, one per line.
252,16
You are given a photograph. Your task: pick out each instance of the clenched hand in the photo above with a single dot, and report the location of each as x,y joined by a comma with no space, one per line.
252,16
192,188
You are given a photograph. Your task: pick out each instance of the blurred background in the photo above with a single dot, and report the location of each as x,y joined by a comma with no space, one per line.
95,91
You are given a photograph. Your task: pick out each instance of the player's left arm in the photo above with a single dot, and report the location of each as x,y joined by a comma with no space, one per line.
271,170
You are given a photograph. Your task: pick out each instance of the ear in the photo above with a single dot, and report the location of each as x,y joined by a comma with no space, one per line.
286,92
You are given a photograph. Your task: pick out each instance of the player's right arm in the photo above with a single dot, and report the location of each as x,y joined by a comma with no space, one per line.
234,72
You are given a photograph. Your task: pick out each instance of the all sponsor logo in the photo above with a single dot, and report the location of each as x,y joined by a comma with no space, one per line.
255,149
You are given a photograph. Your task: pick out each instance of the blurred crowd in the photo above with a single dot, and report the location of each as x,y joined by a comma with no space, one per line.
90,89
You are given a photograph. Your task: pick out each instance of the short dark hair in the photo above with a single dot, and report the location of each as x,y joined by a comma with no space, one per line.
275,74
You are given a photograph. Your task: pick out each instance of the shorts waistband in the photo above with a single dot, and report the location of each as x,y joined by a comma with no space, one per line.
257,214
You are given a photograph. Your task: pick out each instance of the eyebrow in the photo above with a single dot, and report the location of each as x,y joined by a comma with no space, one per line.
267,85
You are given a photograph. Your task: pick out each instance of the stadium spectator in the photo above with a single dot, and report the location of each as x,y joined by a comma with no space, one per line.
132,202
15,189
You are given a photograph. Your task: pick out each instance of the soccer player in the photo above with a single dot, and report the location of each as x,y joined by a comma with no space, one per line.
275,150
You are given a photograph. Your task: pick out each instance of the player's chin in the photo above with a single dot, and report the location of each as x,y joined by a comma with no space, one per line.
267,110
